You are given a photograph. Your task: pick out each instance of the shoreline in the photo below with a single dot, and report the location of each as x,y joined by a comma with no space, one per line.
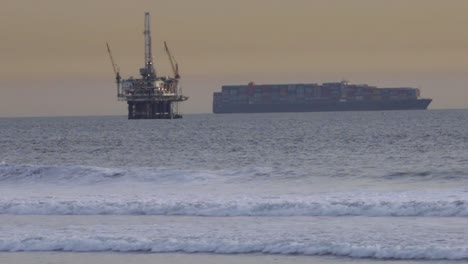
186,258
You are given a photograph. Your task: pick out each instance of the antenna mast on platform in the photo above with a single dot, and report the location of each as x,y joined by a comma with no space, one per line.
148,72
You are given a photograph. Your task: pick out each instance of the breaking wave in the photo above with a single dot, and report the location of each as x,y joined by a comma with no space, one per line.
230,246
82,175
237,207
109,200
86,175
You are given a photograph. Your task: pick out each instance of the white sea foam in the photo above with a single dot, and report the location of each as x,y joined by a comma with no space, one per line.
240,206
226,246
381,237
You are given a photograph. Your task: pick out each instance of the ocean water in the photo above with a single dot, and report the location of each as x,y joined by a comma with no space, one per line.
358,185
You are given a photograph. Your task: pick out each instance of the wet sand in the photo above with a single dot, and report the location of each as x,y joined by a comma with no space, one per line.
180,258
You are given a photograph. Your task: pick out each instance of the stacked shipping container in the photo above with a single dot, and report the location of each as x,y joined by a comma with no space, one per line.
308,93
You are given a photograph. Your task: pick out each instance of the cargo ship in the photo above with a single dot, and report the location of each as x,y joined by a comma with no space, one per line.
334,96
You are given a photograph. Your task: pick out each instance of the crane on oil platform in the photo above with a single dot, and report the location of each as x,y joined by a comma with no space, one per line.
151,96
174,65
115,68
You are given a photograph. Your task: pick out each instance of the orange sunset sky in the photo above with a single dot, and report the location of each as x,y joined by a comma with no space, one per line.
53,59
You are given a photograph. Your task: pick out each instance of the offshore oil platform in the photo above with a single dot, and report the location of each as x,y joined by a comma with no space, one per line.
151,96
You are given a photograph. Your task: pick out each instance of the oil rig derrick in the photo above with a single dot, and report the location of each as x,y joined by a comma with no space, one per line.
151,96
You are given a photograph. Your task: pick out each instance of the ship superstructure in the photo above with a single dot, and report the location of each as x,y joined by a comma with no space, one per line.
151,96
336,96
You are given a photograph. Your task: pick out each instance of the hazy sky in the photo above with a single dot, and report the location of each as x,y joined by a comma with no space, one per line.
53,59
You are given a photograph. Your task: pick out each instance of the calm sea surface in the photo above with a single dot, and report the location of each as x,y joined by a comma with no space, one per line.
359,185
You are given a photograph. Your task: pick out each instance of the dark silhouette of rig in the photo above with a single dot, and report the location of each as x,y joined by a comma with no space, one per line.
151,96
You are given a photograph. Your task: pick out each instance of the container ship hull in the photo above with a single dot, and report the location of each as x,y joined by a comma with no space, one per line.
326,97
326,106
